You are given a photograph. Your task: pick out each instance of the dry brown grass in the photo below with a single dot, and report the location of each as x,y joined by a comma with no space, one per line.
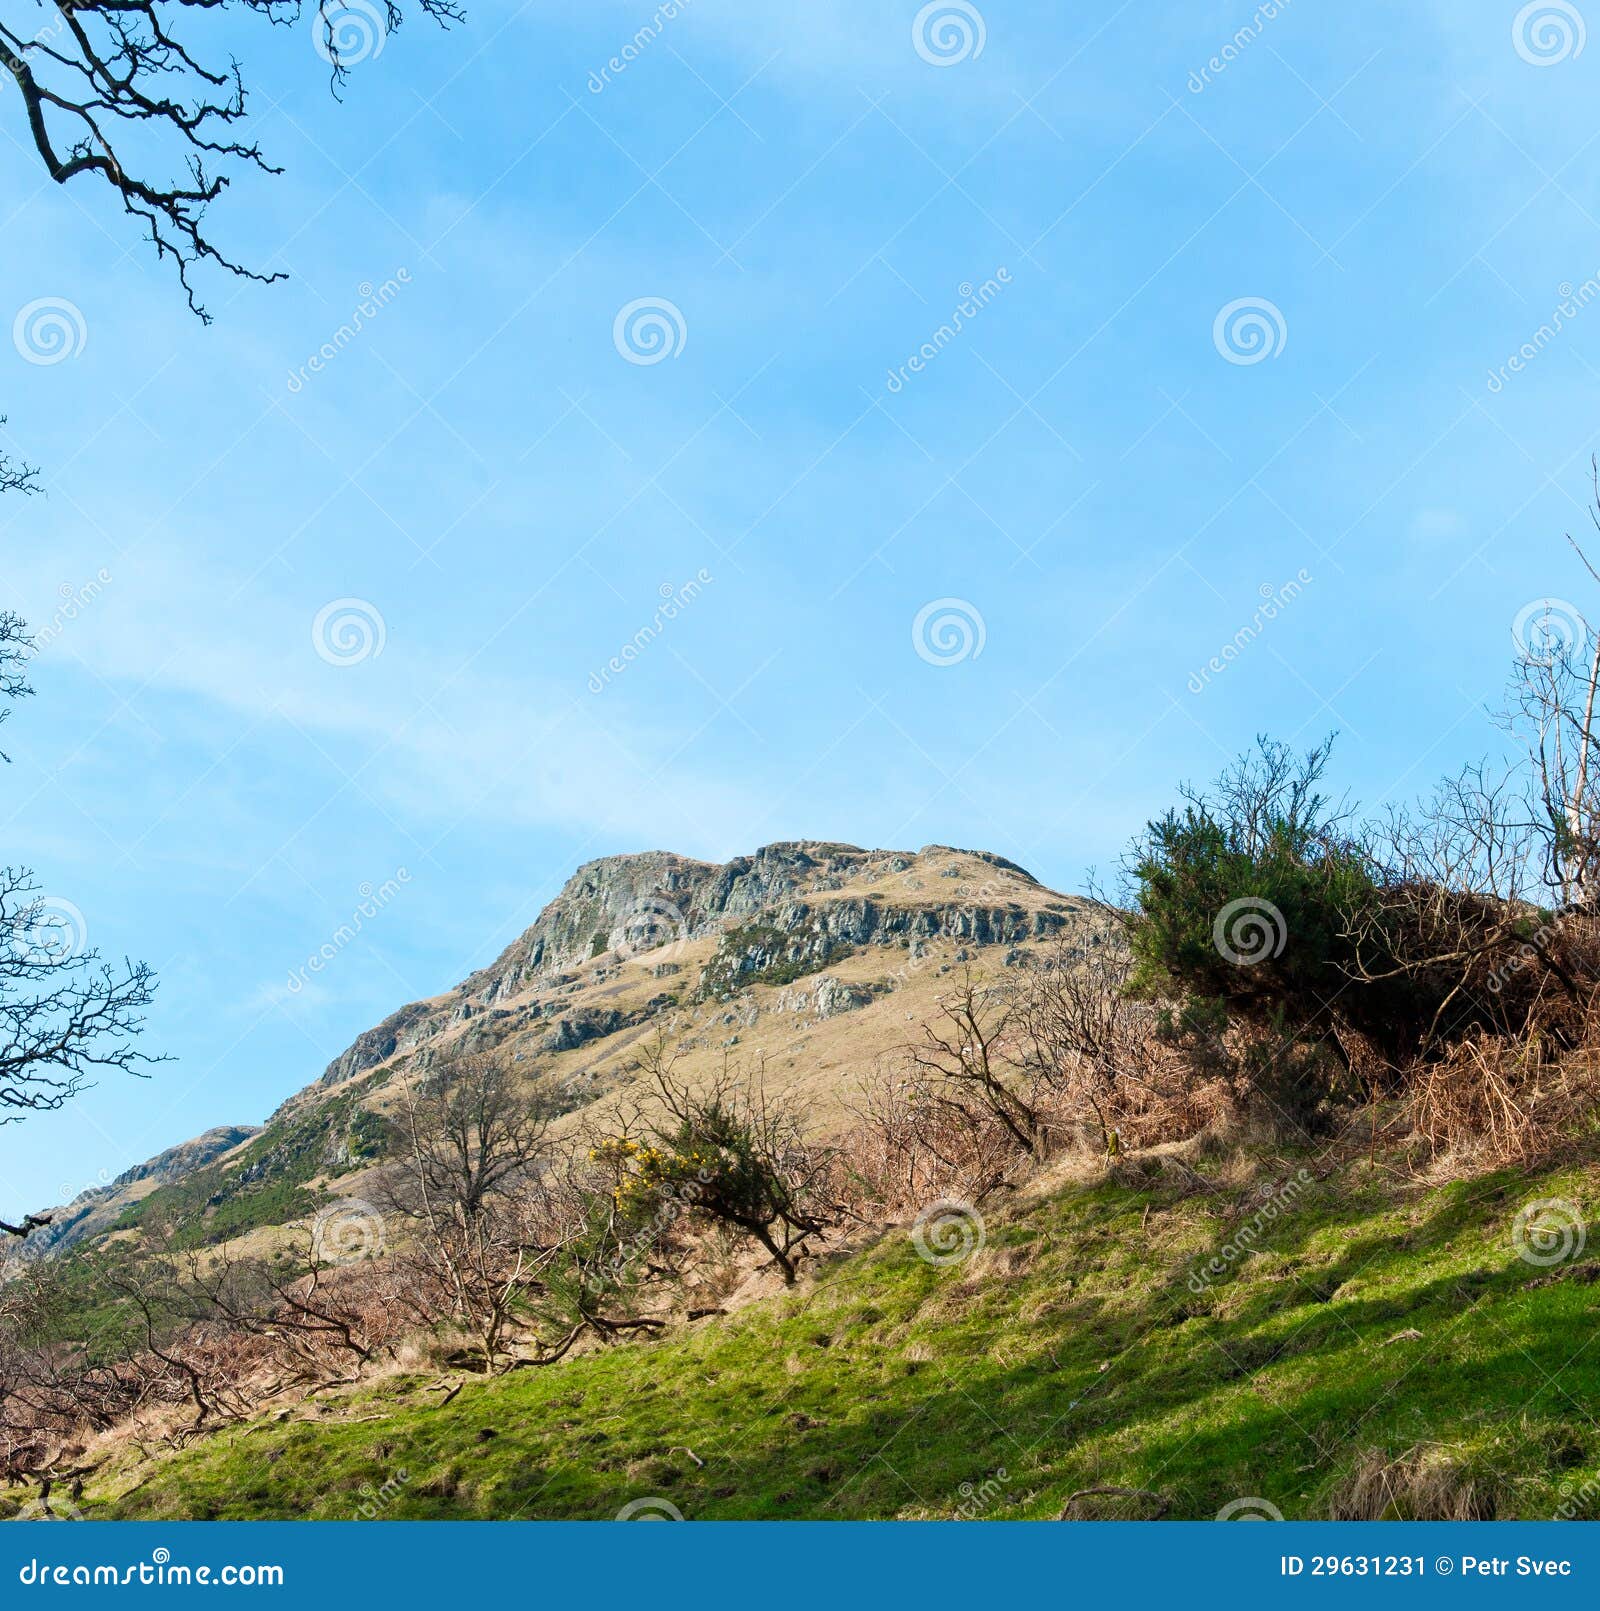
1426,1483
1500,1101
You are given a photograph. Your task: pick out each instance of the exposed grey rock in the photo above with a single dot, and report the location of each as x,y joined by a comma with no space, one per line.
400,1031
825,996
188,1156
583,1027
630,902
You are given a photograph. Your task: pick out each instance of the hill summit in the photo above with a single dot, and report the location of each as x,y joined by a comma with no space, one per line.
812,958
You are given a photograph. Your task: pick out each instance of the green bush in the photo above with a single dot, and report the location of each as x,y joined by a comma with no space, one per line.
1250,897
1269,927
1267,923
1262,912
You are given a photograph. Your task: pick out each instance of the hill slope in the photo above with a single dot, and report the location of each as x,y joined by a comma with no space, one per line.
92,1213
1383,1351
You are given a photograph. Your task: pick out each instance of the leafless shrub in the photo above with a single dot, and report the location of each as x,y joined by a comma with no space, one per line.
1502,1101
473,1142
1107,1070
906,1149
1058,1052
977,1063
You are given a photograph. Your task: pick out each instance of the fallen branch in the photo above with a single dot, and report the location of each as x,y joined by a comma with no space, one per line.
1121,1493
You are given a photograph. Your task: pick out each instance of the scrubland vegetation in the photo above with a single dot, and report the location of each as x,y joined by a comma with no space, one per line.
1267,1182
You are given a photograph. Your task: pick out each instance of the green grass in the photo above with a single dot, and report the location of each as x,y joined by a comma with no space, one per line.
1070,1353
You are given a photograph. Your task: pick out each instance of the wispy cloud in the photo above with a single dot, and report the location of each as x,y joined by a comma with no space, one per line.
435,737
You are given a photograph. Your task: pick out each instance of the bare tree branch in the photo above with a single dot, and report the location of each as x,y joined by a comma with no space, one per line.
108,86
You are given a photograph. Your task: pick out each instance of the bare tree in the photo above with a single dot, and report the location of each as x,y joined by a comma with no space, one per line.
112,89
179,1348
16,476
88,1342
472,1139
974,1058
138,96
16,649
316,1322
54,1384
1553,712
1270,794
65,1015
1479,830
175,1342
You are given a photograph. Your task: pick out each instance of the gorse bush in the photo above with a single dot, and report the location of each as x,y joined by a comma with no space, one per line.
1251,896
731,1155
1306,958
1253,905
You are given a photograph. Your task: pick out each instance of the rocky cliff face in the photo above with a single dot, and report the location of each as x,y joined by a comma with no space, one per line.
632,902
789,905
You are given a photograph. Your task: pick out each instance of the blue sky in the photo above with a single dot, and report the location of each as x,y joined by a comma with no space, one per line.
1085,468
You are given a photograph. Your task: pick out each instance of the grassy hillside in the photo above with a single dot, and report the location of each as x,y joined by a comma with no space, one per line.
1383,1350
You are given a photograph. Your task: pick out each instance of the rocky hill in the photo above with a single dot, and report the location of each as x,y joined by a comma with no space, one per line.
789,908
806,961
93,1212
